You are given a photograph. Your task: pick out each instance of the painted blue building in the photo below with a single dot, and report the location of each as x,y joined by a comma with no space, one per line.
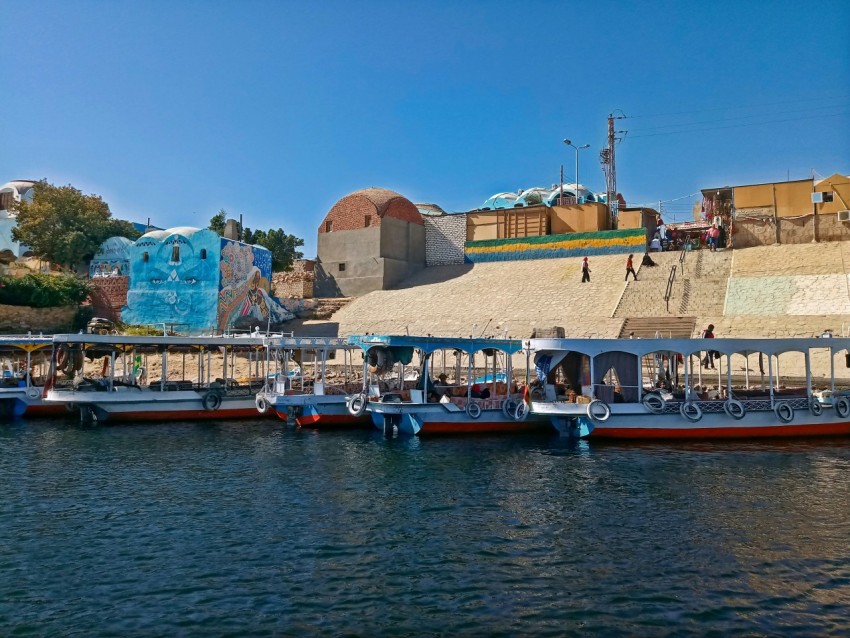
198,281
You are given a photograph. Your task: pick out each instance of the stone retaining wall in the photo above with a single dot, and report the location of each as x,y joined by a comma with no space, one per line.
296,283
19,319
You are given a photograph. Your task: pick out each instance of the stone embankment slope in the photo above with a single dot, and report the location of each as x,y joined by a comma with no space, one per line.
786,291
774,291
492,298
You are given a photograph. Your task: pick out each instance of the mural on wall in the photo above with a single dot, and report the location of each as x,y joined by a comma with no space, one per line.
245,285
603,242
112,258
174,279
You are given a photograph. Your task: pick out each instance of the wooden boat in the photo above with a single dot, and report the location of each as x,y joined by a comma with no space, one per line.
314,376
134,378
456,401
25,366
664,388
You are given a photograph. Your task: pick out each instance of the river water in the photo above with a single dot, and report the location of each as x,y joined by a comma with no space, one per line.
258,529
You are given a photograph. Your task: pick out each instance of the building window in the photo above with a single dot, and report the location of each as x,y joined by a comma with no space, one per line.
203,253
145,257
342,268
175,254
827,197
368,221
329,226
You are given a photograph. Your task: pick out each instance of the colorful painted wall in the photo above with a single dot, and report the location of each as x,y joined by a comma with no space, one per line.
174,279
606,242
245,286
112,258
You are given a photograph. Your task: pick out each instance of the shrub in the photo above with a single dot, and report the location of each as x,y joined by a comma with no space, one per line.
43,291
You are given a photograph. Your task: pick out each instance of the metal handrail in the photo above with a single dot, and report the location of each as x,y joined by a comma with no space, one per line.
669,292
682,256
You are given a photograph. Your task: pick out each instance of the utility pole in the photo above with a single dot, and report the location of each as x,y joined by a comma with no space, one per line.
609,167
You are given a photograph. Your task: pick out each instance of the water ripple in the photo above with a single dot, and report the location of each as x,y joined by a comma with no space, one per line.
253,529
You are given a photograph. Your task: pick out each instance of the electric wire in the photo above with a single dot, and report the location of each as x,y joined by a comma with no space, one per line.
736,117
718,128
744,106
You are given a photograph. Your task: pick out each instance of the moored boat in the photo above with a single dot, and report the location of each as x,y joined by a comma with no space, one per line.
455,401
314,376
150,378
691,388
25,366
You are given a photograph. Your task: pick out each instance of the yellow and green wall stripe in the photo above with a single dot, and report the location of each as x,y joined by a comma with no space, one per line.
605,242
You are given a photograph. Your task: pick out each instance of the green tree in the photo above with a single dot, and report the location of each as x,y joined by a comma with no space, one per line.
64,226
284,247
218,221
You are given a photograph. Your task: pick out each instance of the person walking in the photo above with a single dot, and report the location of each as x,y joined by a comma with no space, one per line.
585,271
708,360
630,268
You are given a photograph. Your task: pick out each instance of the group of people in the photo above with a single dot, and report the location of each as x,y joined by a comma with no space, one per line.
630,267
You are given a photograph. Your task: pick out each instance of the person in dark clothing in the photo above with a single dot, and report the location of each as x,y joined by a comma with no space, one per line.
708,360
630,268
647,261
585,271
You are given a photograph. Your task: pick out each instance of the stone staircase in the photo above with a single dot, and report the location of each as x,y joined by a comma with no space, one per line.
650,327
699,288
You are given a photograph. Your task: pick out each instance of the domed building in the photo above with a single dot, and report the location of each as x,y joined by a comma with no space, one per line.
370,240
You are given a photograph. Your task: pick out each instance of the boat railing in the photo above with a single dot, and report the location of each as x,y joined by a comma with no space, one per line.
668,293
750,405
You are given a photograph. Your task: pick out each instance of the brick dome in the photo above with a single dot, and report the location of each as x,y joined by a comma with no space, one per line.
366,208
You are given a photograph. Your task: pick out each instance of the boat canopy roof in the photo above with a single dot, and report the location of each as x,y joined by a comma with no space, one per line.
25,343
593,347
432,344
123,341
309,343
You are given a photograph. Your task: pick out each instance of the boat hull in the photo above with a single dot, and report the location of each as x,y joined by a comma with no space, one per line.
435,418
627,422
317,411
145,405
20,405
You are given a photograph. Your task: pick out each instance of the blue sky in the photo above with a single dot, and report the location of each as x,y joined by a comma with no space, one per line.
173,110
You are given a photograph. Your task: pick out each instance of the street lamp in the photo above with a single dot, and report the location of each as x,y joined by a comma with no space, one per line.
577,148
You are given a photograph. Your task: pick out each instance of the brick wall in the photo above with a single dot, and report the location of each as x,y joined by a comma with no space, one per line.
351,211
108,296
445,237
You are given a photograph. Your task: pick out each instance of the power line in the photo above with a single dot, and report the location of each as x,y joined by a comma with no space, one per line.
717,128
737,117
732,108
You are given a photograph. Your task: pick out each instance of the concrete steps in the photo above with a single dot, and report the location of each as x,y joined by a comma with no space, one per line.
650,327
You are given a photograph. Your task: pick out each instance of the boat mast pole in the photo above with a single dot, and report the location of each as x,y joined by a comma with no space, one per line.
808,375
770,377
832,369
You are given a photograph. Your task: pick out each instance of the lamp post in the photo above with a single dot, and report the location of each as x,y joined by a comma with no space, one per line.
577,148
